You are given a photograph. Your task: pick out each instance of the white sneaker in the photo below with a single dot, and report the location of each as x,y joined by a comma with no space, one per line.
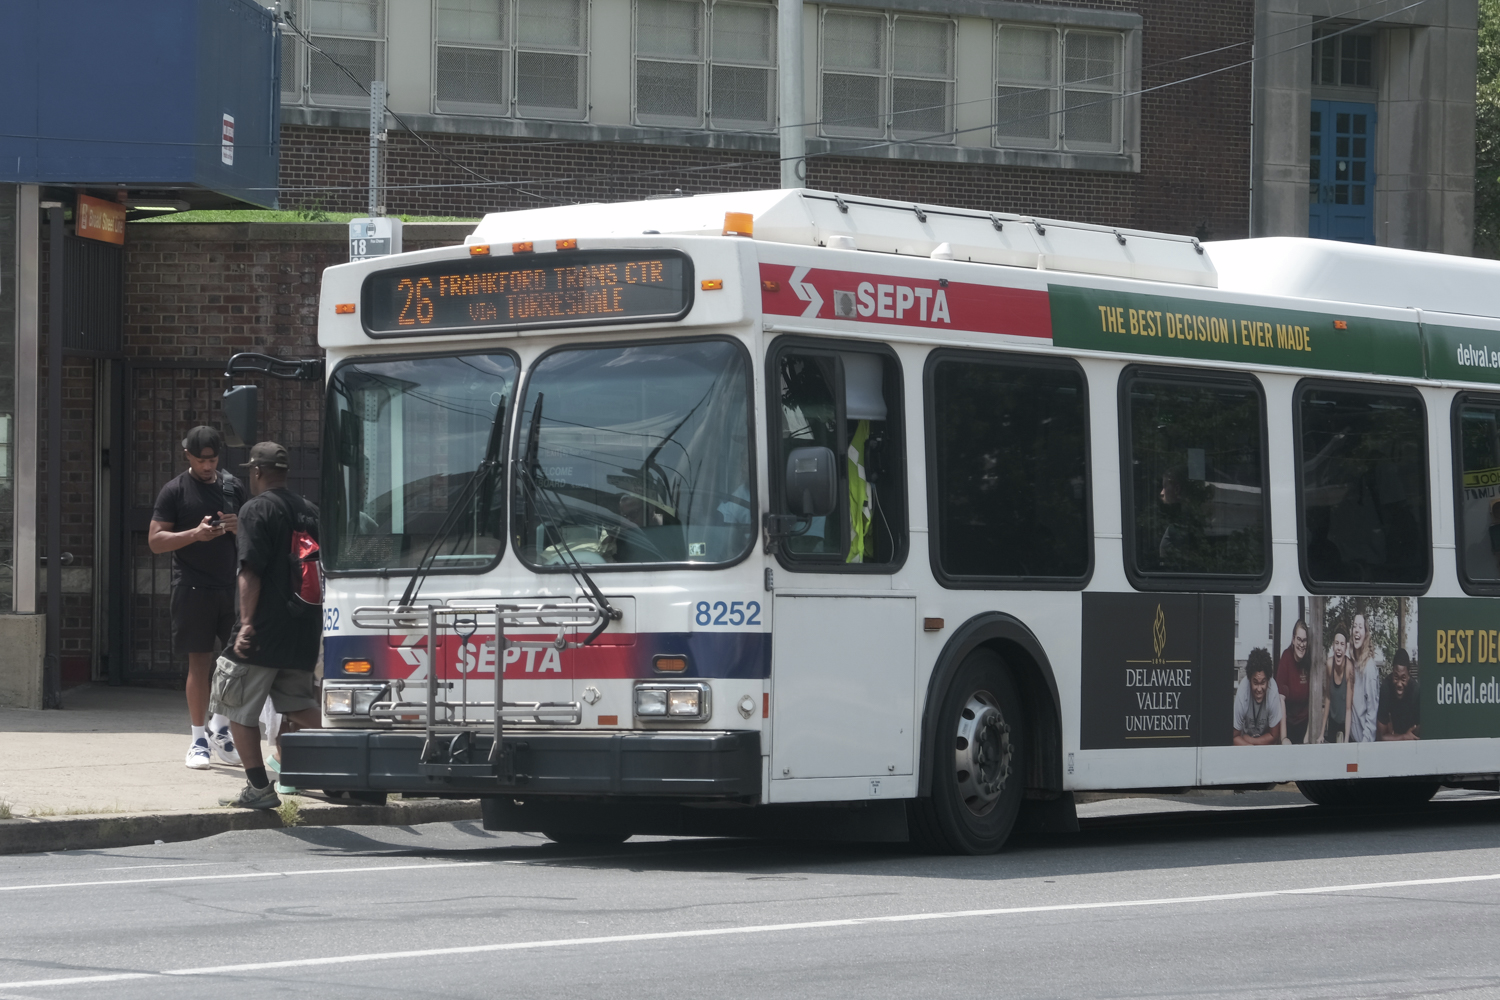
223,746
198,757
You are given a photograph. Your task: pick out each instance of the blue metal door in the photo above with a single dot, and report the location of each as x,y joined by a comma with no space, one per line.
1341,172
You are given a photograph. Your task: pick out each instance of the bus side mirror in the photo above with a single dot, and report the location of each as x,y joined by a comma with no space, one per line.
240,406
811,484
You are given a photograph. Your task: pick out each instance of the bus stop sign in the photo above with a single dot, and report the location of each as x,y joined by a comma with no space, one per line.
374,237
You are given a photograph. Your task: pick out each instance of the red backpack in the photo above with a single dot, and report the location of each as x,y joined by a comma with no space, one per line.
306,558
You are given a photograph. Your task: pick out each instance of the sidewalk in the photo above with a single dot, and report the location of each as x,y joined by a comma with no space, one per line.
111,762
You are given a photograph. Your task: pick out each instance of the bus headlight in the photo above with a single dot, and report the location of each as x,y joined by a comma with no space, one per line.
678,702
650,701
350,699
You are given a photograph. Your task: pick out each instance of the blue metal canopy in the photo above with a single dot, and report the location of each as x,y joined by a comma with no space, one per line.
173,95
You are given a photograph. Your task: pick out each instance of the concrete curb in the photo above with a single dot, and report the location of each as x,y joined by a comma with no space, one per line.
84,833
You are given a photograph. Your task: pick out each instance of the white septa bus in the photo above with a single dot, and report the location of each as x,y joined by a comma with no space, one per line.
794,512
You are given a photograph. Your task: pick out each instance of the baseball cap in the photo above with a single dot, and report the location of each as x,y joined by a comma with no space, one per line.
268,454
203,438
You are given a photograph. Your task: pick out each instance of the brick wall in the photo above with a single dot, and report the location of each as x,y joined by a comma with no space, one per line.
1194,177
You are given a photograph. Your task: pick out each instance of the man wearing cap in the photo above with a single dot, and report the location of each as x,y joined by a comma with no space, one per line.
274,645
195,519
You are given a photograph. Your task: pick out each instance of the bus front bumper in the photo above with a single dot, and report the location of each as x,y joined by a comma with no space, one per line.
688,765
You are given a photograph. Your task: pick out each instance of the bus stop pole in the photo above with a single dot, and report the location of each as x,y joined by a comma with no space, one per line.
789,93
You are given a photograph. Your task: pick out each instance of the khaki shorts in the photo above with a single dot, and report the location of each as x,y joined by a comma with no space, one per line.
240,691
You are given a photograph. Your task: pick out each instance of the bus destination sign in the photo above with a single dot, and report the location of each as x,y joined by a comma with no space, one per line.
477,294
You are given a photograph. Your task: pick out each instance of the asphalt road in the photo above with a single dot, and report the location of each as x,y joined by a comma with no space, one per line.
1282,900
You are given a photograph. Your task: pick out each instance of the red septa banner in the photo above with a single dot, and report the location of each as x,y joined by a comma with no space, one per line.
817,293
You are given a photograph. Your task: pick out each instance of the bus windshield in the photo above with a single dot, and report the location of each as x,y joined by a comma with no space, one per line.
408,435
641,455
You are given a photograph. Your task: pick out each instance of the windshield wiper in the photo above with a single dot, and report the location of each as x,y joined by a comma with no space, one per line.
482,476
527,466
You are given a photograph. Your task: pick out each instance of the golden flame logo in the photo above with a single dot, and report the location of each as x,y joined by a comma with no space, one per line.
1159,631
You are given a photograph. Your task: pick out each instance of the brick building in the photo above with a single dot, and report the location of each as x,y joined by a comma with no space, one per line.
1216,118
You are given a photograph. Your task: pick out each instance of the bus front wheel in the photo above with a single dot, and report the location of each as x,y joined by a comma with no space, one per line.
978,766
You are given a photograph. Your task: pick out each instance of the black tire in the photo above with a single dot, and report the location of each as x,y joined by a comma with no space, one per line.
368,798
978,762
586,838
1369,793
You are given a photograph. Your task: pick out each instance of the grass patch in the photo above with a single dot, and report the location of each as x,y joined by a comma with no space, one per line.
303,215
290,811
5,809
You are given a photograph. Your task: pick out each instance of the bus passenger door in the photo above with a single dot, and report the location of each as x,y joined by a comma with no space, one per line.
845,669
843,666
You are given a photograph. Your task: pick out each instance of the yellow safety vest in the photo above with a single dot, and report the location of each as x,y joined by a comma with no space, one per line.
861,542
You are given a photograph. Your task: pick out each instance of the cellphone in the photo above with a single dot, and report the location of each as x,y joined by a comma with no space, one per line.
216,522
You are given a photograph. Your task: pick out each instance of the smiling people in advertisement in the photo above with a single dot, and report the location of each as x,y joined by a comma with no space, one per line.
1259,709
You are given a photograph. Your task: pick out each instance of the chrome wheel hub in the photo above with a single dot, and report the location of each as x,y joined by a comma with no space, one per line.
982,753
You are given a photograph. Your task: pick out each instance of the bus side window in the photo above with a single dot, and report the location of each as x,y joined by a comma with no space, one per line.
1195,451
1476,464
1362,465
1010,469
848,402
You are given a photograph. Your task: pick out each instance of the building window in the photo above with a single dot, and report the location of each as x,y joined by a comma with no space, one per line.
504,57
1059,89
351,35
885,75
551,47
697,63
472,59
1342,60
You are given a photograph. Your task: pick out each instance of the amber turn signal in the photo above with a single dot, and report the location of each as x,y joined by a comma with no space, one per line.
771,286
739,224
671,664
344,308
712,284
357,666
479,250
1340,324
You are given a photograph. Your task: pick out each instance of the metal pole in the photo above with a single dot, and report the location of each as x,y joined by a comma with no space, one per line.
377,124
52,664
789,87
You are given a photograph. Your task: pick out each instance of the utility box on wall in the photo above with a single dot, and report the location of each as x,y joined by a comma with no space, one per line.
175,94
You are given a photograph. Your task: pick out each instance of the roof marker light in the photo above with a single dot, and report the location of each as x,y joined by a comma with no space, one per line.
344,308
739,224
479,250
567,244
523,247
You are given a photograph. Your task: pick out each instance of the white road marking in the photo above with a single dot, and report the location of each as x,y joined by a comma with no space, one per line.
211,878
189,864
476,949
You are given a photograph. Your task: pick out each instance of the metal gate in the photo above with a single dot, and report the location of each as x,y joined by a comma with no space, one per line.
163,400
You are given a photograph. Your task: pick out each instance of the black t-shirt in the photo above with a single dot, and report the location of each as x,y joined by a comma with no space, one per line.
287,634
183,503
1399,713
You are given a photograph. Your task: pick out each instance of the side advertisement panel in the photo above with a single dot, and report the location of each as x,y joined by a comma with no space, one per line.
1218,670
1166,326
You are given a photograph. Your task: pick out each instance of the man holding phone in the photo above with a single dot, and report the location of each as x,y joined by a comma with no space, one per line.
195,519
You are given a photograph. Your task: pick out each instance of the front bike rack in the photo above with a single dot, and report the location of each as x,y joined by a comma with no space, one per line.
453,721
